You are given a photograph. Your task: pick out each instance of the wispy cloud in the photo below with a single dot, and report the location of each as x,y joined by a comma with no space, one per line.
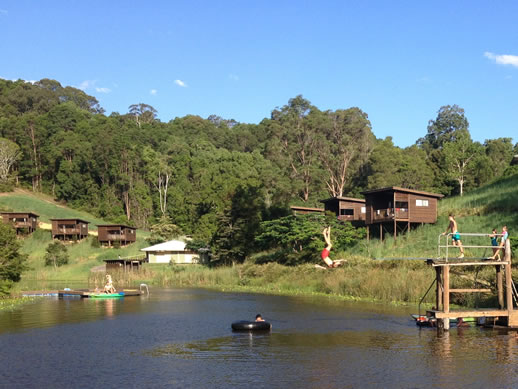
233,77
153,92
180,83
503,59
91,84
4,12
86,84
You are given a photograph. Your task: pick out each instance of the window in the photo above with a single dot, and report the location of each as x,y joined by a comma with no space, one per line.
347,212
363,210
421,203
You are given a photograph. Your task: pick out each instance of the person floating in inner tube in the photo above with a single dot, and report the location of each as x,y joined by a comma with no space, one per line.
325,253
258,317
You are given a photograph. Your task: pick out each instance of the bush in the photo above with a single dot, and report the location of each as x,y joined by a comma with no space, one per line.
95,242
57,254
12,262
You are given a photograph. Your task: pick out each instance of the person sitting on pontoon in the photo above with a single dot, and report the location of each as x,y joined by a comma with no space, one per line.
109,288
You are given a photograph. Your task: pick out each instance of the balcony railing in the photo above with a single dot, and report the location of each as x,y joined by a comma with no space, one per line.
390,213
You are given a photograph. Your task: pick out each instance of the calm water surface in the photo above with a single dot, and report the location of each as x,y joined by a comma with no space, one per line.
181,338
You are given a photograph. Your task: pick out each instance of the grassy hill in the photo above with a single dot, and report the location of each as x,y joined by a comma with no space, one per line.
83,255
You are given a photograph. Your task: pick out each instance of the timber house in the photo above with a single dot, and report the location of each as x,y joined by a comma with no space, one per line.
69,229
108,234
394,208
21,221
346,209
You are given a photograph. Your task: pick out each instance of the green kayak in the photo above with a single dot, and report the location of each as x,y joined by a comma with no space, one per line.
106,295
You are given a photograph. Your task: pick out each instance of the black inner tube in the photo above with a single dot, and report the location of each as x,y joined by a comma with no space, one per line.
244,325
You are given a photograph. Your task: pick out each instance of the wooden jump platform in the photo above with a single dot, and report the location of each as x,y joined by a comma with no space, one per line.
88,293
504,290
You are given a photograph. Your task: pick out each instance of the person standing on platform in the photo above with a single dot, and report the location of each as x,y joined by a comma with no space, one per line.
455,236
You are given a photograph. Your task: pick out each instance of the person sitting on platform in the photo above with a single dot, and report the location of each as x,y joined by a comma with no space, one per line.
504,237
455,236
258,317
325,253
109,288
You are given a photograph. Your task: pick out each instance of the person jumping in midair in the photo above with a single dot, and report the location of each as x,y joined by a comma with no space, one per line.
325,253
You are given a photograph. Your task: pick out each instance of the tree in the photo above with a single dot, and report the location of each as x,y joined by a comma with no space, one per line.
9,154
143,113
163,231
12,261
450,121
458,156
237,226
349,141
295,142
56,254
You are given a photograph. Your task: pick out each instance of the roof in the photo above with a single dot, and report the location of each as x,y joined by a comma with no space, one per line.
406,190
21,213
172,245
296,207
72,220
341,198
116,225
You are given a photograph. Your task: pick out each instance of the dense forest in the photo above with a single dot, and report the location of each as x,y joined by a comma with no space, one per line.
216,179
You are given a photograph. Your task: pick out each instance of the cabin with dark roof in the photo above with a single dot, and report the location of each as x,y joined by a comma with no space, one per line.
297,210
514,161
69,229
394,208
21,221
108,234
346,208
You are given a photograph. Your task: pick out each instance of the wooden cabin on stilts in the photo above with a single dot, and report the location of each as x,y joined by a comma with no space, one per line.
395,210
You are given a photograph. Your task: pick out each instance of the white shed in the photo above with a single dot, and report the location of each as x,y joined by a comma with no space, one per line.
172,251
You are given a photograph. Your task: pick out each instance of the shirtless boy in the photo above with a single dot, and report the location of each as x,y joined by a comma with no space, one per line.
455,234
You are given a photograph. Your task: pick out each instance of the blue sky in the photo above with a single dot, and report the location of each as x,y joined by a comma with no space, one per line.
398,61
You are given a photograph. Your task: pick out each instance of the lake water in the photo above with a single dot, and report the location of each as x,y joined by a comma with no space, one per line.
181,338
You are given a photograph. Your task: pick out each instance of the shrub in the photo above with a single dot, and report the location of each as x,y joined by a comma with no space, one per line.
56,254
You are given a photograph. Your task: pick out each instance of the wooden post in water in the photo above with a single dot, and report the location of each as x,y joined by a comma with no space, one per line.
500,286
446,295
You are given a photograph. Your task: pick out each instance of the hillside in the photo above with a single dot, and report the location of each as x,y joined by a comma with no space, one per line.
83,255
478,211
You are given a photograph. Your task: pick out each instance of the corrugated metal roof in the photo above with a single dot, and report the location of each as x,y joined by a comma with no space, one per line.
172,245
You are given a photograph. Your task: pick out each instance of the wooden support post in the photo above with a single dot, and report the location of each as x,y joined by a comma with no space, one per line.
500,286
368,233
438,290
508,279
381,232
446,295
395,227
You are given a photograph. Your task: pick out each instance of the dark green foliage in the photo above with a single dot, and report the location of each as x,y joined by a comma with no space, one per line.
299,238
12,262
56,254
95,242
163,231
238,225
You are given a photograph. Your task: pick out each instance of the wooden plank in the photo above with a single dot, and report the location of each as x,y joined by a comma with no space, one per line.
471,291
471,313
478,263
